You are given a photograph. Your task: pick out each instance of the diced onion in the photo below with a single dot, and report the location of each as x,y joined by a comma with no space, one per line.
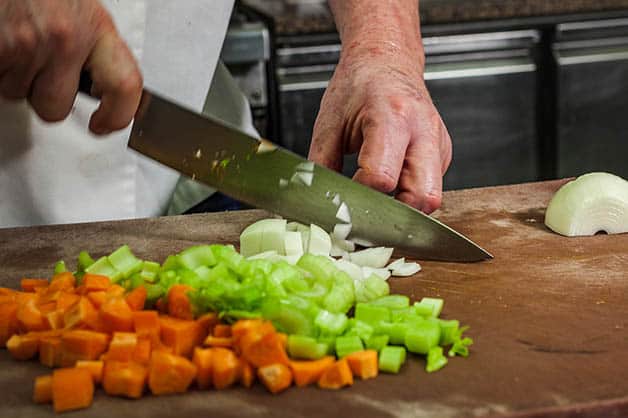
383,273
305,166
343,244
263,256
407,269
362,242
342,231
343,213
319,242
293,243
336,199
353,270
283,183
376,257
396,264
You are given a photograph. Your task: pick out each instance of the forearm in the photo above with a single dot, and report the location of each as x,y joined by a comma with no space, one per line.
388,29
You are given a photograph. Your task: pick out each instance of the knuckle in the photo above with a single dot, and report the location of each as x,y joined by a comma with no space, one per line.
61,32
131,84
25,39
382,180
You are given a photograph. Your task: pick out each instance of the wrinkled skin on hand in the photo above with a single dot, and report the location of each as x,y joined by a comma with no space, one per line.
377,104
44,45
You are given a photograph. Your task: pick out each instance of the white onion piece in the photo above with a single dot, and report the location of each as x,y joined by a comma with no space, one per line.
376,257
368,271
353,270
293,243
336,199
306,178
273,237
305,240
592,203
396,264
296,226
362,242
265,146
319,242
342,231
407,269
263,256
306,166
336,251
343,244
290,259
252,238
283,183
343,213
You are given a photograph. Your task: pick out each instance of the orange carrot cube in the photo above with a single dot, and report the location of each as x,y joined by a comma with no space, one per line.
137,298
94,367
117,315
126,379
202,359
72,388
169,373
42,390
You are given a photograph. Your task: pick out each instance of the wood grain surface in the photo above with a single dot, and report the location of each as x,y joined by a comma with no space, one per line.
549,316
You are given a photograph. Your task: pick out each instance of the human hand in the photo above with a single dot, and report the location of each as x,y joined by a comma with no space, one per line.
378,105
44,45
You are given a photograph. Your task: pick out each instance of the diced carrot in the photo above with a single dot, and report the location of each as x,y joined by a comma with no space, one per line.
143,350
65,300
124,379
23,347
122,347
276,377
363,364
115,290
169,373
81,314
136,298
284,339
247,374
46,308
72,388
50,353
212,341
30,318
336,376
94,367
97,298
61,281
202,359
95,282
146,323
80,290
117,315
180,334
8,321
207,323
179,304
265,351
82,345
55,320
222,330
162,305
29,285
42,390
225,367
247,331
308,372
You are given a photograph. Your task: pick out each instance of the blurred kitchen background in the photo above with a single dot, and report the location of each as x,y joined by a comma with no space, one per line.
529,89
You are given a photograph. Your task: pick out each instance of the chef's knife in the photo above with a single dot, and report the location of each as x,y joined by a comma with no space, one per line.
269,177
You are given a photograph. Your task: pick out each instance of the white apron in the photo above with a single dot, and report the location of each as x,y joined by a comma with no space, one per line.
59,173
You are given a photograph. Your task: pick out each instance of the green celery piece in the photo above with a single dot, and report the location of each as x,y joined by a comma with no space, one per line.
391,359
288,317
221,272
196,256
330,342
449,331
320,267
274,288
153,293
229,256
316,293
402,315
60,267
421,337
435,359
295,284
171,263
331,323
348,344
392,302
371,288
343,280
168,278
377,342
258,267
338,300
460,345
396,331
302,347
125,262
371,314
84,260
423,310
149,272
359,328
203,272
234,315
190,278
135,280
103,267
435,303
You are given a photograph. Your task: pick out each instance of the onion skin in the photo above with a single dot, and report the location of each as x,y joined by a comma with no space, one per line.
592,203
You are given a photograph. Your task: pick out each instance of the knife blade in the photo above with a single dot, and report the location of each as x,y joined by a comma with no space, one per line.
269,177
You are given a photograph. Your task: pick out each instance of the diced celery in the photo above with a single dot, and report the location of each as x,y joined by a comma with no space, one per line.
371,314
295,284
338,300
435,303
153,292
84,260
171,263
448,331
316,293
288,317
125,262
347,345
423,310
371,288
402,315
234,315
377,342
135,280
149,272
103,267
421,337
435,359
190,278
391,359
60,267
320,267
300,346
392,302
200,255
331,323
460,346
203,272
396,331
359,328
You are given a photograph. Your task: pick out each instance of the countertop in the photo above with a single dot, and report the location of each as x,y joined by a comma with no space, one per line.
548,315
313,17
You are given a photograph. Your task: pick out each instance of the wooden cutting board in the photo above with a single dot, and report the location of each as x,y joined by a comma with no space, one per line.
549,316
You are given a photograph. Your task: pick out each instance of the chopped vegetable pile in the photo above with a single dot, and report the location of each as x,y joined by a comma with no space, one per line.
210,317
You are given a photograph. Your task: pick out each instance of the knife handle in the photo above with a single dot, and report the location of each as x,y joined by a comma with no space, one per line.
85,83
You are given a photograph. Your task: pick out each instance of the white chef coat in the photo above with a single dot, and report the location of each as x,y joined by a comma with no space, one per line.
59,173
